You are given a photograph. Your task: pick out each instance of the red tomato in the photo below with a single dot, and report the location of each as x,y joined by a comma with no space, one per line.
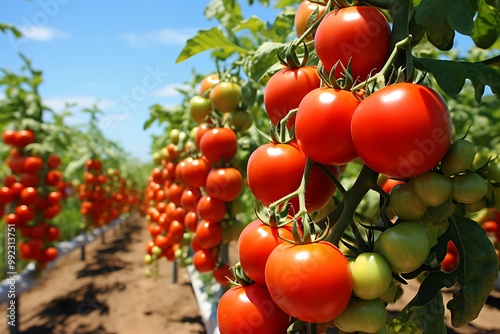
190,198
303,19
219,145
28,195
53,177
191,221
53,161
9,137
204,261
25,137
285,90
402,130
490,226
24,213
358,33
211,209
250,310
223,274
255,243
200,131
6,195
193,172
311,282
450,262
208,234
224,184
323,126
389,184
53,233
275,170
32,164
49,254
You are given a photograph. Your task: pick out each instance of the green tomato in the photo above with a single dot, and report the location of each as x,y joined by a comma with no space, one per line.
371,275
481,158
405,246
199,108
240,120
475,206
389,295
156,250
366,316
174,135
468,188
148,259
432,188
493,172
405,203
459,157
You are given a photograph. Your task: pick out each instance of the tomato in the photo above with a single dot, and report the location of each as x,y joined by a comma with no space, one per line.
275,170
193,172
468,188
405,246
240,120
190,198
256,241
199,108
208,234
413,130
53,177
28,195
32,164
24,213
459,158
224,184
405,203
318,111
200,131
25,137
493,171
219,145
303,19
204,261
174,193
311,282
53,161
286,88
389,184
490,226
358,33
432,188
191,221
371,275
9,137
53,233
225,96
211,209
207,83
367,316
6,195
450,262
223,274
250,310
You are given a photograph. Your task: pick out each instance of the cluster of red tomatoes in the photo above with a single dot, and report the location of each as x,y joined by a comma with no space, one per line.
192,197
402,131
104,196
31,196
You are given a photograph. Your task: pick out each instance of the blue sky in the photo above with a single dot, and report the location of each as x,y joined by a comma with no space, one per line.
120,55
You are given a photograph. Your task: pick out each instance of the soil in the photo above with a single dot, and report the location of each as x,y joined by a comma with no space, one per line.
108,293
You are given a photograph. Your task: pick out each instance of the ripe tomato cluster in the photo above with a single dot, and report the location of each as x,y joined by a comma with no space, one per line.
31,196
104,196
192,197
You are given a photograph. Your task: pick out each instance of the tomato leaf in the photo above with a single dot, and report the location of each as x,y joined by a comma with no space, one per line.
451,75
265,60
207,40
432,15
476,273
486,26
420,319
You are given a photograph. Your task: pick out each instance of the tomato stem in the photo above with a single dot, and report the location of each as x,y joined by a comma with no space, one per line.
366,180
332,177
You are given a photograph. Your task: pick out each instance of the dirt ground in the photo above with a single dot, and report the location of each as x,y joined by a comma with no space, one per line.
109,294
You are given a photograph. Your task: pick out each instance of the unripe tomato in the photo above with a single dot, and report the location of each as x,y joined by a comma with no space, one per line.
199,108
432,188
459,157
303,19
225,96
207,83
371,275
367,316
405,246
405,203
468,188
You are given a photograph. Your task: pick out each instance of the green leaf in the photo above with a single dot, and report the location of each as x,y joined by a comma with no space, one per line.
494,3
265,60
432,15
420,320
4,27
460,16
451,75
207,40
486,26
476,273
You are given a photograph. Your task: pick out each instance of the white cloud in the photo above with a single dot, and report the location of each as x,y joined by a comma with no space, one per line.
59,103
169,90
167,36
43,34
